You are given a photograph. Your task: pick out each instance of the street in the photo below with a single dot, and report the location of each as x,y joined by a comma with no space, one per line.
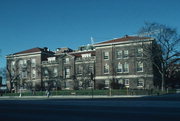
118,109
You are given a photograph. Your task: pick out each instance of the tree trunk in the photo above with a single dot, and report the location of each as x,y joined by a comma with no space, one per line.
162,82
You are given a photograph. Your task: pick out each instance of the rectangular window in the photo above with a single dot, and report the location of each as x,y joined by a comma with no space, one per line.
139,52
139,67
126,67
90,69
119,54
24,74
13,63
106,69
106,55
66,60
119,68
33,73
33,62
140,83
79,70
126,53
46,73
107,83
55,72
25,63
20,63
67,73
126,82
120,81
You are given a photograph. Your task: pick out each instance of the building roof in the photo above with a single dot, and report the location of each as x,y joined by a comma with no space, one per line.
123,39
37,49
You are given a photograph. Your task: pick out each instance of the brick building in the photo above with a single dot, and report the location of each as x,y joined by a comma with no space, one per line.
117,63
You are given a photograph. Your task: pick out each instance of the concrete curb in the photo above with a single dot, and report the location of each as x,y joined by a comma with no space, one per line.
71,97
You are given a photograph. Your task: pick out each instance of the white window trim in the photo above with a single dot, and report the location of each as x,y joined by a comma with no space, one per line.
141,49
142,67
126,84
55,72
104,68
33,74
127,54
104,54
67,60
33,62
142,83
127,68
119,51
121,65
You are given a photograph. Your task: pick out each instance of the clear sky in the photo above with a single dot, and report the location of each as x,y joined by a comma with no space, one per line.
25,24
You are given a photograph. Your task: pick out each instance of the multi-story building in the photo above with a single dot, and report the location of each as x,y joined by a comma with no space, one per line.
24,68
117,63
125,62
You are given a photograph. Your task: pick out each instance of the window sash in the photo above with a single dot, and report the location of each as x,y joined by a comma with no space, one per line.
106,69
126,82
140,67
139,52
106,55
140,83
119,54
126,53
126,67
119,68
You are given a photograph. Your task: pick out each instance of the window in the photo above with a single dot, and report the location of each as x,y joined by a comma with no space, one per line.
46,73
24,74
79,69
33,62
126,53
55,72
90,69
106,55
80,83
51,59
33,73
67,73
126,82
140,83
20,63
139,67
86,55
66,60
126,67
119,68
106,69
13,63
24,62
120,81
119,54
139,52
107,83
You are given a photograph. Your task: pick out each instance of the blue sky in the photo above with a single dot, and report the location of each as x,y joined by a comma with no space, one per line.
25,24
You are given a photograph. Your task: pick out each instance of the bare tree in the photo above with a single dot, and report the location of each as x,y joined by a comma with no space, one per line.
2,74
166,52
13,73
85,71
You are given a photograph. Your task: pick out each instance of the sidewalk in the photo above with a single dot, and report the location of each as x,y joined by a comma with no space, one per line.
71,97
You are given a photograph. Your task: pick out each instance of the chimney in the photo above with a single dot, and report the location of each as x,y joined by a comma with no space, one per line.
45,49
126,36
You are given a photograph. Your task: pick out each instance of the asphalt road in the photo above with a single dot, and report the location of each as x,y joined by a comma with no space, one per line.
121,109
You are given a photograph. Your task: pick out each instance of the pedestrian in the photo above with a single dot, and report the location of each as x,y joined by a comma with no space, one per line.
47,93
